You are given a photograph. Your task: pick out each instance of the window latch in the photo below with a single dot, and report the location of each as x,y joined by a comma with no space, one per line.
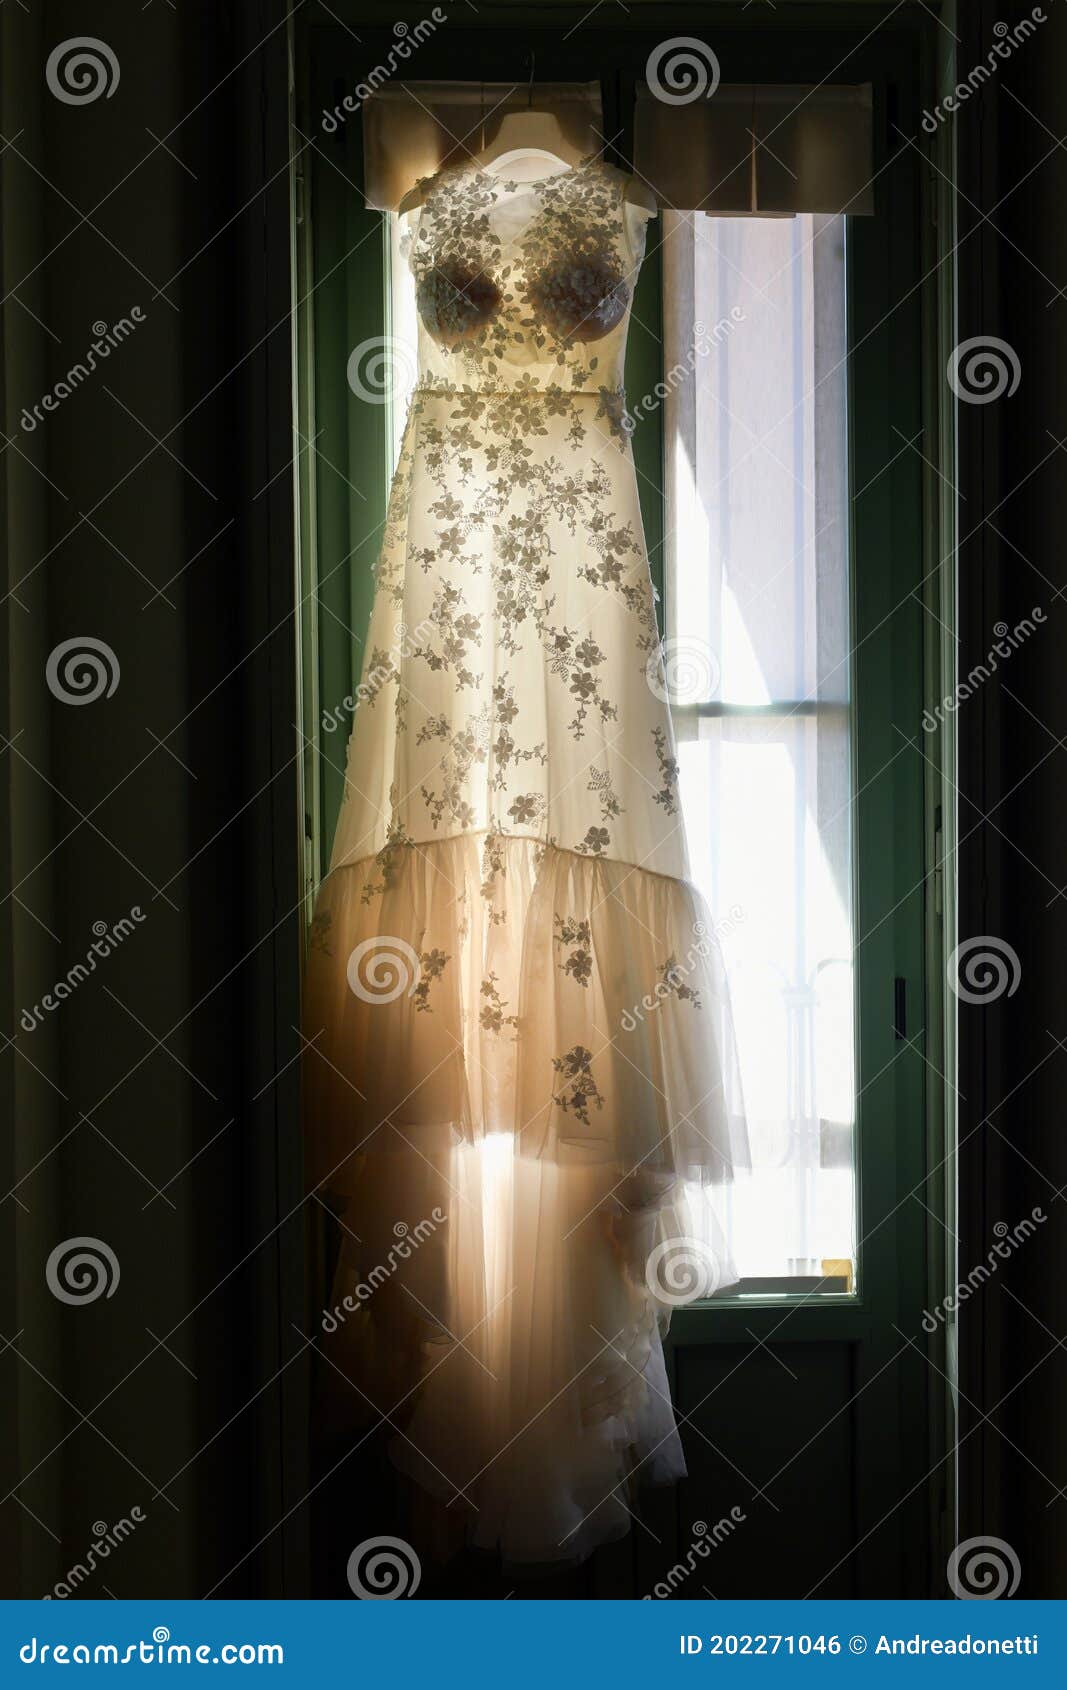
900,1007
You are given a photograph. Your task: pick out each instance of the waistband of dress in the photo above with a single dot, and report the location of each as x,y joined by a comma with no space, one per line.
430,391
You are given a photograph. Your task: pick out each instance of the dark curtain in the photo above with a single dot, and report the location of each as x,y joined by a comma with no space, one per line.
144,510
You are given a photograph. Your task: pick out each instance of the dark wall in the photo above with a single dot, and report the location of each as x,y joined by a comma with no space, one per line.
140,514
1012,261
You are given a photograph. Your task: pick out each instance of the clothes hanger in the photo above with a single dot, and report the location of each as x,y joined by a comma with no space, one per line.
540,134
521,134
527,132
537,134
524,134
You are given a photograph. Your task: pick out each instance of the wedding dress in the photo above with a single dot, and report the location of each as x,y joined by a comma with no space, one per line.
519,1044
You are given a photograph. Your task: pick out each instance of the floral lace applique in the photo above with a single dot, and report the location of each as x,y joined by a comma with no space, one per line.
575,657
396,840
579,1090
494,866
576,287
575,935
466,746
504,751
379,672
526,808
456,628
668,770
600,783
431,968
561,284
318,933
595,843
492,1017
673,976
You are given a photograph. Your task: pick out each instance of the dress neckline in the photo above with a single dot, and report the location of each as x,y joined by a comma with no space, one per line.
501,167
484,173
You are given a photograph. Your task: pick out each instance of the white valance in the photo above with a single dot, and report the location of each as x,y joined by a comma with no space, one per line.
769,149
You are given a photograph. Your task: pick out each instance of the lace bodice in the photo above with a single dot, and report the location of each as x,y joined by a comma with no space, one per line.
525,284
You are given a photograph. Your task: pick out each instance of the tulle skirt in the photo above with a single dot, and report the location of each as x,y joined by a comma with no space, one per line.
509,1125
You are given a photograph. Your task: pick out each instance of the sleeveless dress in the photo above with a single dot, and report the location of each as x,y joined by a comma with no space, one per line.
519,1051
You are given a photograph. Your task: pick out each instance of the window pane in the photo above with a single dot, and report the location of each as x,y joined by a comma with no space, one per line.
757,655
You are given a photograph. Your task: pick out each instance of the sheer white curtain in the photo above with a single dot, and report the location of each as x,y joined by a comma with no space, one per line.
757,607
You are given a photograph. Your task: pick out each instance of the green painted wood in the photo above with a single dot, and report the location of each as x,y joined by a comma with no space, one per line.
344,454
644,368
776,1445
885,303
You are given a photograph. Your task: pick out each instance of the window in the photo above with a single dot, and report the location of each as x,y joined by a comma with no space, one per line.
757,665
757,670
